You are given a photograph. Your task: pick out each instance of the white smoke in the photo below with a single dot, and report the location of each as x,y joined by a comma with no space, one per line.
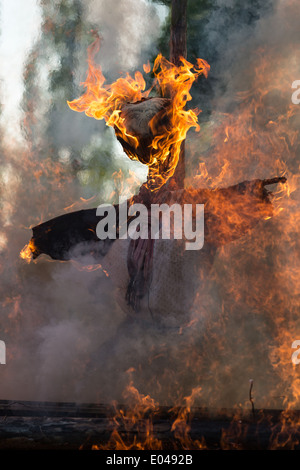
129,29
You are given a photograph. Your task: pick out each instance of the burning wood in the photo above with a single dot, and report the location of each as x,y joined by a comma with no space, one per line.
46,425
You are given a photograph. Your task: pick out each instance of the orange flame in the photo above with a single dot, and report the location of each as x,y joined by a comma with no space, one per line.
147,67
181,425
28,251
133,420
102,101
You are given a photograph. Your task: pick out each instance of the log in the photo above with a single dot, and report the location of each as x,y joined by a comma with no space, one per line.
71,426
178,49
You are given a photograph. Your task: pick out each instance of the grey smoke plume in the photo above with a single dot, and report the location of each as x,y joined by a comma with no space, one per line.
129,30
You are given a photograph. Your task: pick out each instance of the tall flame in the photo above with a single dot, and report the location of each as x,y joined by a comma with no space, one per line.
103,101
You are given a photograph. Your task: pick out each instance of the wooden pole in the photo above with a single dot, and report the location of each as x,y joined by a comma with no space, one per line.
178,45
178,48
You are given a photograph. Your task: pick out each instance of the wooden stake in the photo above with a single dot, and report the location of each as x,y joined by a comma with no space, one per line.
178,48
178,44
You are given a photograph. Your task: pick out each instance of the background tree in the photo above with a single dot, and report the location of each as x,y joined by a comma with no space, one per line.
51,77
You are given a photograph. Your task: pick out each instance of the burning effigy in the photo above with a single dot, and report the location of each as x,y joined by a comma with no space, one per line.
151,129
